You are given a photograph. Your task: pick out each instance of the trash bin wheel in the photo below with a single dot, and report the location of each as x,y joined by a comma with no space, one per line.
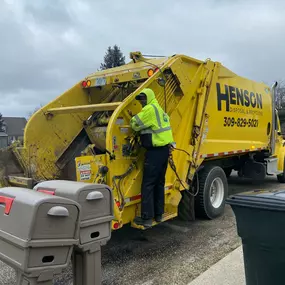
213,191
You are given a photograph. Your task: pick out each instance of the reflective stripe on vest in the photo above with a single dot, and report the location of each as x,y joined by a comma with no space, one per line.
139,121
157,116
149,130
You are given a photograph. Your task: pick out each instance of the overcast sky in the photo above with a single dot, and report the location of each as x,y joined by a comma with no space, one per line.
46,46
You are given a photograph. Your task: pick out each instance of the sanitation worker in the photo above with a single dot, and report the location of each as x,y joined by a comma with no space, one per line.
156,137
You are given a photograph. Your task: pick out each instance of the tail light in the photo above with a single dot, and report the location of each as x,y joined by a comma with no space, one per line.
85,84
151,72
116,225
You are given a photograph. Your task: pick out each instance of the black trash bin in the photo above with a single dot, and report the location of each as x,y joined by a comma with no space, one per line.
260,217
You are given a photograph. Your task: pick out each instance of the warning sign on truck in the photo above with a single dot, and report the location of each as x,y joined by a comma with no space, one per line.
84,171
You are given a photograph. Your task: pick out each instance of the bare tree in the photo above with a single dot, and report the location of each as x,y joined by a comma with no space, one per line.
280,95
34,111
2,126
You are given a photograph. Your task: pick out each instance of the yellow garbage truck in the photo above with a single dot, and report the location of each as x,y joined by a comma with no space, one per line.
220,122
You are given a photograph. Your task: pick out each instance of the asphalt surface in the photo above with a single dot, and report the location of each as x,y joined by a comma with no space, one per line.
173,253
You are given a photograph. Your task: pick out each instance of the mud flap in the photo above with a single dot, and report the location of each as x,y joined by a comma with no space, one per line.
186,208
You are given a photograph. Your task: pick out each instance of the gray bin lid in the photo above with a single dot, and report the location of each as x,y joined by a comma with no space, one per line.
28,216
259,199
96,200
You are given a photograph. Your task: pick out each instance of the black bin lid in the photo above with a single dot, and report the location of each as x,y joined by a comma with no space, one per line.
261,199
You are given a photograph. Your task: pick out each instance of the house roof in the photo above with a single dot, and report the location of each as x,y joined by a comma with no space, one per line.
14,125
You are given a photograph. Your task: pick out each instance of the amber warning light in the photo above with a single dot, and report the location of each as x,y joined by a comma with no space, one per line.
150,72
86,83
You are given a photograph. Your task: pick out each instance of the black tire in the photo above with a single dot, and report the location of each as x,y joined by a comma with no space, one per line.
203,205
281,177
258,171
255,171
228,172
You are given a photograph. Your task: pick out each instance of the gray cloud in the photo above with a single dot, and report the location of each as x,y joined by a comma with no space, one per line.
47,46
52,14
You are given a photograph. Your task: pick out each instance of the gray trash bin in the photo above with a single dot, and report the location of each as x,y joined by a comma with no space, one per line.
96,201
37,232
260,217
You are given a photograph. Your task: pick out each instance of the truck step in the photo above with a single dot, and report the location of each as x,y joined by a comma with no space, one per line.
19,181
165,217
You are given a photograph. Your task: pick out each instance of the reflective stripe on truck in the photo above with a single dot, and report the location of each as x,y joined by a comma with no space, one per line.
230,152
138,197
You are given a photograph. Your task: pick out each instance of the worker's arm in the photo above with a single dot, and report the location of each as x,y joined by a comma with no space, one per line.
143,119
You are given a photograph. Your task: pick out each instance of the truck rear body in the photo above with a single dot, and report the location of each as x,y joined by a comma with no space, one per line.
217,117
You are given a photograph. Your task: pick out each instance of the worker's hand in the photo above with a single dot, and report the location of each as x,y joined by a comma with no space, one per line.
170,149
130,113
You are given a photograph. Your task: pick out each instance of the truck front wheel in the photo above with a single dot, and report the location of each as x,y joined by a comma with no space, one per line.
213,191
281,177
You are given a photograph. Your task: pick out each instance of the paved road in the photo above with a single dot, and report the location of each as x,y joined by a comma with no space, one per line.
172,253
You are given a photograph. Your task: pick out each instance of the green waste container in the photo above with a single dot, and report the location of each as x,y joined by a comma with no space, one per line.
260,218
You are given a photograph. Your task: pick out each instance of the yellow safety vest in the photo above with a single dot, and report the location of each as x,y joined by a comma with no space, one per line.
152,123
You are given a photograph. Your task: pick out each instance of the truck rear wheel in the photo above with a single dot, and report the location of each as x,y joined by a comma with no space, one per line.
213,191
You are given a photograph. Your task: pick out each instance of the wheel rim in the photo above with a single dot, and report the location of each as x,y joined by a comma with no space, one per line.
217,192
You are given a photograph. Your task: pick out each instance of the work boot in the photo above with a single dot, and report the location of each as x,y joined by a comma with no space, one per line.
147,223
158,218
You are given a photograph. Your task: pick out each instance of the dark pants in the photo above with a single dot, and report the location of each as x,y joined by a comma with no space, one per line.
155,166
